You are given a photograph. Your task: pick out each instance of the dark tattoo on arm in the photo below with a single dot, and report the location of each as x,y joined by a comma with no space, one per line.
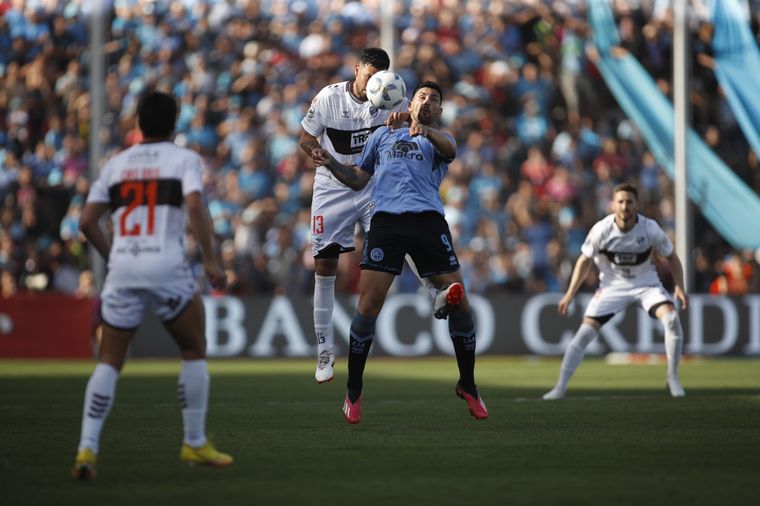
352,176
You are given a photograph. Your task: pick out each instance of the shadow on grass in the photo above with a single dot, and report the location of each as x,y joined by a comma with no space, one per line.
414,445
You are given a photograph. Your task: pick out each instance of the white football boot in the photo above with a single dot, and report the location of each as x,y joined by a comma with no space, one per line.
325,362
555,394
447,299
676,390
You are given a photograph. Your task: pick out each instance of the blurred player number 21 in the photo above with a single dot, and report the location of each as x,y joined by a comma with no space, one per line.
138,193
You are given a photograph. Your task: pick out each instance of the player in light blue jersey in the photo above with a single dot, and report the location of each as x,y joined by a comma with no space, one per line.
340,120
413,169
408,166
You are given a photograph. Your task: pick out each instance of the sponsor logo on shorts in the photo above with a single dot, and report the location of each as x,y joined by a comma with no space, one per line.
377,254
173,302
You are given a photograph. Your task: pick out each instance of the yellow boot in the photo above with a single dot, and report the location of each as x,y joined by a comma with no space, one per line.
206,455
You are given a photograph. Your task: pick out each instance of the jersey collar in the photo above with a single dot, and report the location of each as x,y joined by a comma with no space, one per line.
350,91
626,231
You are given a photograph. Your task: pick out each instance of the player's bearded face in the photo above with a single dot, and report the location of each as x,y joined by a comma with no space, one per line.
426,106
362,73
625,205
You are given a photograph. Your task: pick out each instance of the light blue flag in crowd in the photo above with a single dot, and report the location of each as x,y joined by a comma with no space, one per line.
737,67
729,204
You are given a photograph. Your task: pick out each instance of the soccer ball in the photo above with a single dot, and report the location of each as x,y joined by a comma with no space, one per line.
386,89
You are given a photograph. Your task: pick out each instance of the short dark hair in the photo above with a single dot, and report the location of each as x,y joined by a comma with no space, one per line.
626,187
376,57
157,114
428,84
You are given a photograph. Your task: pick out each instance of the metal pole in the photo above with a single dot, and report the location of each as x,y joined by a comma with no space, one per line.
97,110
387,30
684,237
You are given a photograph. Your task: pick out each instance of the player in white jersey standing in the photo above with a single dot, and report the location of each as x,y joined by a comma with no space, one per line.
149,188
622,246
340,120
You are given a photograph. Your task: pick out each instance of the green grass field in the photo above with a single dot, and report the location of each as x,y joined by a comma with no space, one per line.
617,439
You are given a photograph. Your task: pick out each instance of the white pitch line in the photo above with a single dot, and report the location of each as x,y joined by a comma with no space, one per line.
592,398
322,403
614,397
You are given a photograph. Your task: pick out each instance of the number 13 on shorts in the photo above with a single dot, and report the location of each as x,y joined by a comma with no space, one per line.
318,224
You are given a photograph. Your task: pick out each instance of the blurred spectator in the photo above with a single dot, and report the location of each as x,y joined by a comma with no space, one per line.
734,276
8,287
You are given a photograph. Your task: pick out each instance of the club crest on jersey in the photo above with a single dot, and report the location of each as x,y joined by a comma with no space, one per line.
406,149
377,254
373,110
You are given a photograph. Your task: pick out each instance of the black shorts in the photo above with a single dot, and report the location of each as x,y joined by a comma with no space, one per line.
424,236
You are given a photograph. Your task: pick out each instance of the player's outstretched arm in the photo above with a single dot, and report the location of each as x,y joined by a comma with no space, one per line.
677,270
89,222
200,224
351,176
582,266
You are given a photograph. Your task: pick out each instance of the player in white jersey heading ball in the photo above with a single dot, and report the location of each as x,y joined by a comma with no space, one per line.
340,120
151,189
623,245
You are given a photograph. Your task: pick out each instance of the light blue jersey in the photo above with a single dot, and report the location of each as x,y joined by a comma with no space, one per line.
408,171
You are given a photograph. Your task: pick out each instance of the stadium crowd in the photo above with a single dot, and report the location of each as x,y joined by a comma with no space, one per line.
541,142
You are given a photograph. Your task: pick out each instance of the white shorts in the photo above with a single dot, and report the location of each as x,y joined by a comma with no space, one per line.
611,300
123,308
335,211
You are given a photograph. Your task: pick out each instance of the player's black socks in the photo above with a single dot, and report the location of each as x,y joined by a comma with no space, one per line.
462,332
362,334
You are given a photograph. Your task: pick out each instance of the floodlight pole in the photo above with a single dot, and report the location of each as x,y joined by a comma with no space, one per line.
97,110
684,237
387,29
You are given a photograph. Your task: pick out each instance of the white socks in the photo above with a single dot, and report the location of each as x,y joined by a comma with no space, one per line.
192,390
193,397
98,400
428,285
673,342
574,354
324,301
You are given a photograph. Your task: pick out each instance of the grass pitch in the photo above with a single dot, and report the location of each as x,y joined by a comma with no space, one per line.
618,439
